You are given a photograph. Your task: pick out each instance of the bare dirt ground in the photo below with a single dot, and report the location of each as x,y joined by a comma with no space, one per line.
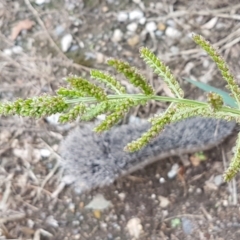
41,42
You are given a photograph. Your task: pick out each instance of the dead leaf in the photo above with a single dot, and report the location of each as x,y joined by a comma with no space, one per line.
97,214
22,25
98,203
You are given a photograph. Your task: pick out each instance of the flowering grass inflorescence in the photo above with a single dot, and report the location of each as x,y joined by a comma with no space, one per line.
85,100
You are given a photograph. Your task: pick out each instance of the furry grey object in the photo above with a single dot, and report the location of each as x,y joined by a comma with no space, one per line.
91,160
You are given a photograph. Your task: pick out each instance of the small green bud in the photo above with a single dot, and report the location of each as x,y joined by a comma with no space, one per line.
85,87
110,81
215,101
73,113
132,75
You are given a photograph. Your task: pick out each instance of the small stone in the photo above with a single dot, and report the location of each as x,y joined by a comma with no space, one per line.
164,202
159,33
151,26
105,9
171,23
59,30
161,26
40,2
173,172
153,196
165,213
21,153
53,119
157,176
51,221
173,33
198,190
122,17
132,27
75,223
135,15
77,236
74,48
103,226
218,180
7,52
122,196
66,42
17,49
142,20
134,227
174,49
77,22
137,1
100,58
187,226
162,180
71,207
30,223
133,41
117,35
45,153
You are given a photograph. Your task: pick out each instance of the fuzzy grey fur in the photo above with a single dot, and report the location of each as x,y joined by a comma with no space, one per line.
91,160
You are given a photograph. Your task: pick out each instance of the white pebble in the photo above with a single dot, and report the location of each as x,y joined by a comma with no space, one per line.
51,221
7,52
198,190
40,2
225,203
153,196
173,172
142,20
53,119
122,17
165,213
30,223
218,180
66,42
122,196
59,30
132,27
137,1
173,33
162,180
171,23
17,49
136,14
151,26
164,202
117,35
45,153
159,33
